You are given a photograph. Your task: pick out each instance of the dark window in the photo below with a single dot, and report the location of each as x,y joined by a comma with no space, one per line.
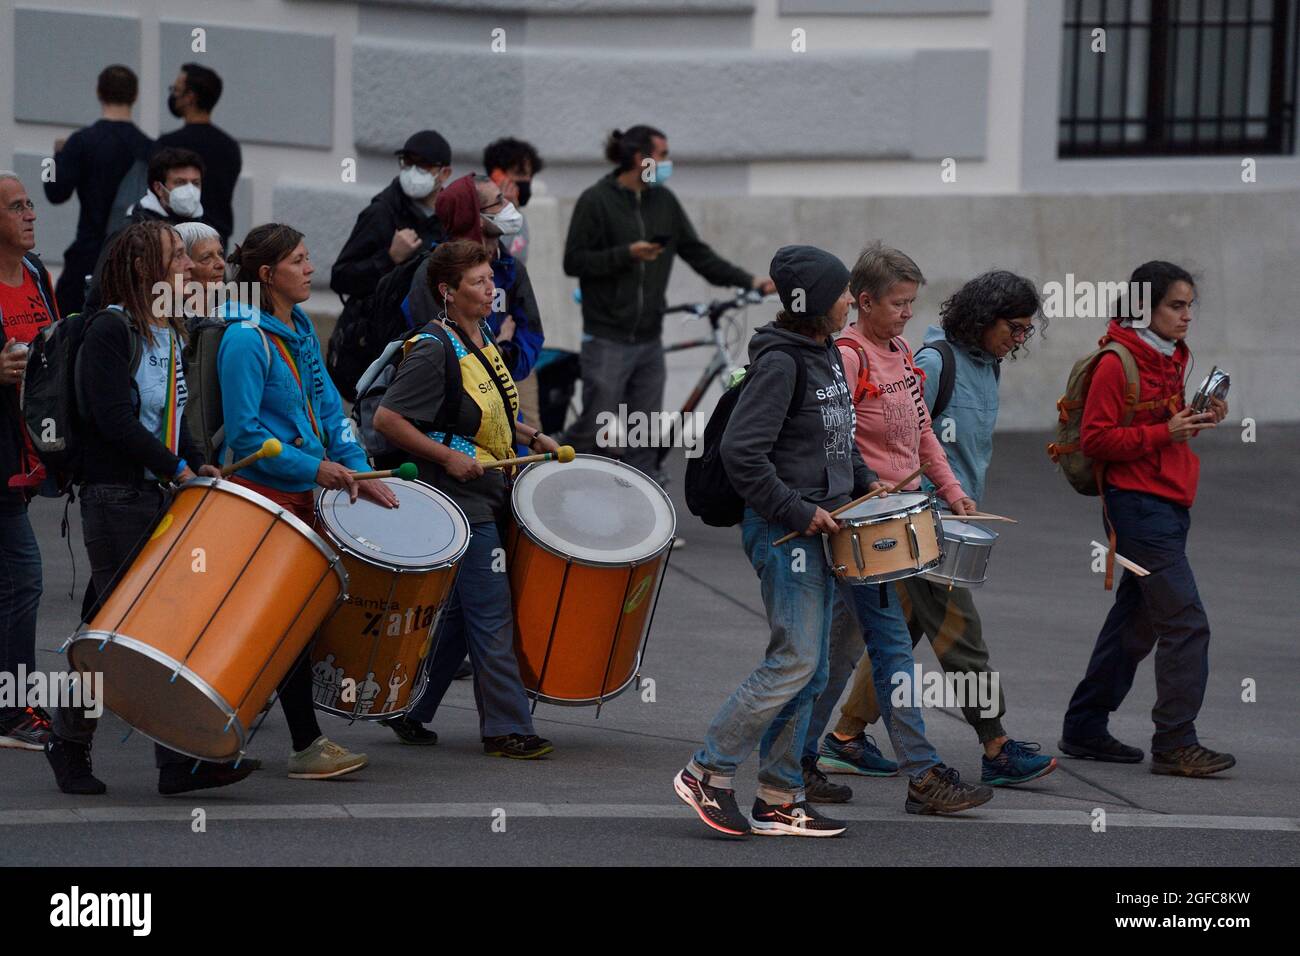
1179,77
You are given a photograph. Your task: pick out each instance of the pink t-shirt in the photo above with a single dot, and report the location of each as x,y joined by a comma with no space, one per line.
893,427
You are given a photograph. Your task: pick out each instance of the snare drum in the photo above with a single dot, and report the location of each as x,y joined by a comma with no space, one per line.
886,539
587,555
966,550
367,660
209,617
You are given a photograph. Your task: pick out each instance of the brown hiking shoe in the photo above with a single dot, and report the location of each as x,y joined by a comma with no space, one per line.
1190,761
941,791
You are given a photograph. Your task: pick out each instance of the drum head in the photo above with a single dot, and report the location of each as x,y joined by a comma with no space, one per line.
427,531
883,507
594,510
962,531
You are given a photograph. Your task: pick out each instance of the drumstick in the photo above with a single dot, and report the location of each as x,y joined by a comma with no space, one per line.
976,517
407,471
563,455
1124,562
270,448
857,501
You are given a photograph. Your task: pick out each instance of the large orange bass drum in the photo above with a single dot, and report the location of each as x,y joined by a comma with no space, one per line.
587,555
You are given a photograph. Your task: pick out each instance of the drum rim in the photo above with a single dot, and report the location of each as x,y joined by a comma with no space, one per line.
980,543
282,513
590,701
399,569
197,682
591,562
915,509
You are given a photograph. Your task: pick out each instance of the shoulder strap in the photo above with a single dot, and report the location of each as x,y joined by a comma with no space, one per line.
863,384
947,373
43,284
1132,384
800,375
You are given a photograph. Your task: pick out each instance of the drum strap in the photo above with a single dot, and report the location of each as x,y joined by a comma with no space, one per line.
487,365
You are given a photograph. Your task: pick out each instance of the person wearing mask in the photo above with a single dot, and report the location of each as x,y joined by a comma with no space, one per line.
624,235
1149,475
273,385
192,97
512,164
474,208
479,618
92,163
135,446
399,221
27,305
792,459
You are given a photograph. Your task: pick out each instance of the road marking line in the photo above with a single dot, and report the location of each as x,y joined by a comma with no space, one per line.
412,811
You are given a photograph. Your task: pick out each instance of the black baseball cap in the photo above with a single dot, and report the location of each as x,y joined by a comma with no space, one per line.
427,146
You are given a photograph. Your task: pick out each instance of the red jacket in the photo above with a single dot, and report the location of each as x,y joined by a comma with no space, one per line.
1141,456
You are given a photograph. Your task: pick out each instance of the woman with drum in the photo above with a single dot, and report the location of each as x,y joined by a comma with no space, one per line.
131,396
989,319
1149,483
480,429
894,435
274,385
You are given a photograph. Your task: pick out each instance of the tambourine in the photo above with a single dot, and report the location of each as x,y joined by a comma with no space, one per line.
1215,386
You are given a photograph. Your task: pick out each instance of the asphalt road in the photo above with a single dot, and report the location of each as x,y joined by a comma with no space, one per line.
605,796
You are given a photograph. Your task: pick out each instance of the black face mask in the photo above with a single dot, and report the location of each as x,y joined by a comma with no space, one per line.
525,192
172,107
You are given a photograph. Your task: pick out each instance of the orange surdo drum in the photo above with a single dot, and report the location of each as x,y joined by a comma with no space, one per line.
401,562
207,620
587,555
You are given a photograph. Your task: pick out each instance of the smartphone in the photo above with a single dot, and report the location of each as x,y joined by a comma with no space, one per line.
662,239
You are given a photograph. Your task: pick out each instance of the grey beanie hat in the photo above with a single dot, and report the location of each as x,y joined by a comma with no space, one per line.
820,275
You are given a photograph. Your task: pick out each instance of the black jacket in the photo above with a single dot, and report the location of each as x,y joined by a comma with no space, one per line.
364,259
623,299
117,447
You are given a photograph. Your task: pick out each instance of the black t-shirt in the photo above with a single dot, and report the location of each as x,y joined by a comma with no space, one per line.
222,162
416,394
92,164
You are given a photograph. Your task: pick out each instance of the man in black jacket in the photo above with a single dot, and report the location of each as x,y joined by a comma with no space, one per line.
92,162
399,220
623,237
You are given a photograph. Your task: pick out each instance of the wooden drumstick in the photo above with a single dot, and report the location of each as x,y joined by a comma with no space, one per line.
270,448
565,454
406,471
976,517
1124,562
857,501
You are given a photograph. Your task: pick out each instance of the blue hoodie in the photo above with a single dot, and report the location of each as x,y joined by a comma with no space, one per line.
965,426
261,399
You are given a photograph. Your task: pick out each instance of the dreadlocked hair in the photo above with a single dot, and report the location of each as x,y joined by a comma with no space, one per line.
989,297
133,269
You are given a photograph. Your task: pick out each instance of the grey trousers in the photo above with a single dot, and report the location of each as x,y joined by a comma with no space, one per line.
614,374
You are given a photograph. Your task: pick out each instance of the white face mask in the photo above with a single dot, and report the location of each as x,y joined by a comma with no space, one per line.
509,220
416,182
184,201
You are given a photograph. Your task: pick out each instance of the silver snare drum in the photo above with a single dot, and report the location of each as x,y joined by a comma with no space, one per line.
966,550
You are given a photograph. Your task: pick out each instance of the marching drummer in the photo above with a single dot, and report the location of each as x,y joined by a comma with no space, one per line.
131,402
453,406
894,434
988,320
274,385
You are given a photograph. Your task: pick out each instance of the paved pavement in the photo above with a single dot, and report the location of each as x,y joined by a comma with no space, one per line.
605,797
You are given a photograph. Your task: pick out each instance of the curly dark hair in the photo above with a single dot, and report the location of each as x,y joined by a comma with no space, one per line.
990,296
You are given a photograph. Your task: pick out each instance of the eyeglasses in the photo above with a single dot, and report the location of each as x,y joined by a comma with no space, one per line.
18,208
1021,333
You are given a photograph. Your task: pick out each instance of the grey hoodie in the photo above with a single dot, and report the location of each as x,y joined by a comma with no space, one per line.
786,470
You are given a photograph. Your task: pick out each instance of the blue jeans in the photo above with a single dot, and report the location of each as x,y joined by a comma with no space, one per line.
20,586
772,706
889,648
1161,611
478,618
847,645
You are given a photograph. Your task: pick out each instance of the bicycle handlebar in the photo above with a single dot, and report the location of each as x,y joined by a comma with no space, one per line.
719,307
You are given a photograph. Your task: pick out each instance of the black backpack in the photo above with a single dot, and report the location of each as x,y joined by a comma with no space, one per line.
947,374
710,496
367,325
51,386
374,382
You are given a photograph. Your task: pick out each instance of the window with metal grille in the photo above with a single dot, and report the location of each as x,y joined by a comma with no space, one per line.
1178,77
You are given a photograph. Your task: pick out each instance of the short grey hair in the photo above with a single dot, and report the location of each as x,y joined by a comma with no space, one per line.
195,232
10,174
878,268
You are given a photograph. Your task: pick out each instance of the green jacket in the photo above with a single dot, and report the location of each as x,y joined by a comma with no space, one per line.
623,299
